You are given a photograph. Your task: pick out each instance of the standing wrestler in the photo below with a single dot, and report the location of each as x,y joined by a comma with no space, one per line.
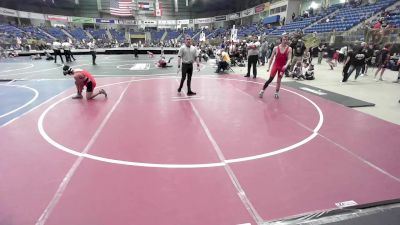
282,54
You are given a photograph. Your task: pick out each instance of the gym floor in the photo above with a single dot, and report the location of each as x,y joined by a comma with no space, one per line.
148,155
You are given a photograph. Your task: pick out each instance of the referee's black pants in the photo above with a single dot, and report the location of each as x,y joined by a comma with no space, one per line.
252,61
93,53
187,68
57,53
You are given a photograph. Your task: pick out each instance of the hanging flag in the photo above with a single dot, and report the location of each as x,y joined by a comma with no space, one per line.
158,10
202,36
234,34
147,6
121,7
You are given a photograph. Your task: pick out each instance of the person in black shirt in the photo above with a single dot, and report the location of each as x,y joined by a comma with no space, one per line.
270,49
383,61
349,61
298,48
329,56
357,63
398,75
368,52
320,53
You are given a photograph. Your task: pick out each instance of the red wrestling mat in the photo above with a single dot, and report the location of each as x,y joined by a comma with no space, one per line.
147,155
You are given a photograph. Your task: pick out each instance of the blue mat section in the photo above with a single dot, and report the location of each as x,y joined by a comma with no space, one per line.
14,97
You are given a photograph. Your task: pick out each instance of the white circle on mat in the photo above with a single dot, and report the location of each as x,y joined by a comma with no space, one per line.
35,96
180,166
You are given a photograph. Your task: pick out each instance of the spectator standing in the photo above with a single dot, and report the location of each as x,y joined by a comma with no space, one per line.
252,53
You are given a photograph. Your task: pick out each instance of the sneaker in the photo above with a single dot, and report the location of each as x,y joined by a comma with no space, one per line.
77,97
179,90
102,91
191,93
261,93
396,81
276,95
247,75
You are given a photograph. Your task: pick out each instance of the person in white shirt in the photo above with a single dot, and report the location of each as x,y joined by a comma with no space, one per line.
187,55
57,50
92,49
67,51
252,53
342,54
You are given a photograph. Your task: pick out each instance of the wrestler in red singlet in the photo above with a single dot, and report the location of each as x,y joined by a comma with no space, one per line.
280,62
83,78
87,77
283,55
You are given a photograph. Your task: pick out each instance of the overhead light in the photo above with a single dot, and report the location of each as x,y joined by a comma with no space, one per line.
314,5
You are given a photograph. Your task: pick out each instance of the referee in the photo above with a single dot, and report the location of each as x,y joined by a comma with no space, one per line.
92,49
57,50
187,54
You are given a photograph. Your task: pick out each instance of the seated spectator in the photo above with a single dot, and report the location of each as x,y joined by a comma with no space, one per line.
36,57
224,62
48,56
309,72
297,71
12,53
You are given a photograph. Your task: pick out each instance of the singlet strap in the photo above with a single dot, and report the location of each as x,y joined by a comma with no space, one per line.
287,50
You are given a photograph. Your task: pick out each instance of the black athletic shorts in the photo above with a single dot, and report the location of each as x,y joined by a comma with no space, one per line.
89,86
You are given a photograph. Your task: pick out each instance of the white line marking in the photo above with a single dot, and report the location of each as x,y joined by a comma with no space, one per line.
317,92
241,193
60,66
136,66
180,166
188,98
32,72
347,150
10,70
46,213
24,105
140,66
48,100
362,159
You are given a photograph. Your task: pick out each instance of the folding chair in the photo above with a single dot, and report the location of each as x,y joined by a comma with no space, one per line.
229,68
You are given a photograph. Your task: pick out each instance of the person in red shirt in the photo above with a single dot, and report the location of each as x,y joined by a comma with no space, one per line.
283,56
83,78
377,25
